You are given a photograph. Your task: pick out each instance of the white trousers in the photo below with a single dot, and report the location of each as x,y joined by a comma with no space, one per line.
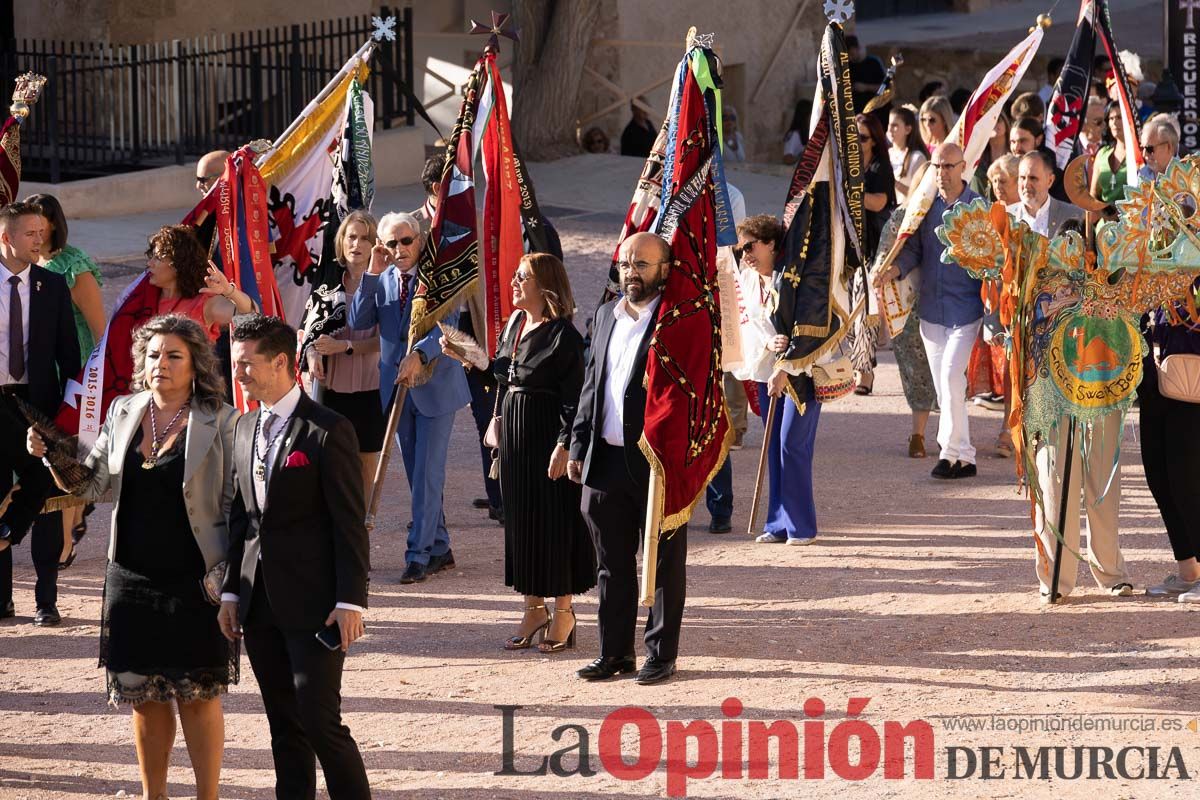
949,351
1090,471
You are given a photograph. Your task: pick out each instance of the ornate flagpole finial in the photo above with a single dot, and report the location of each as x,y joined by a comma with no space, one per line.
28,89
384,29
495,31
839,10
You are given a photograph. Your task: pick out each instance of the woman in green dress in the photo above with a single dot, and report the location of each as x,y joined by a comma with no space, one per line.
83,278
1108,176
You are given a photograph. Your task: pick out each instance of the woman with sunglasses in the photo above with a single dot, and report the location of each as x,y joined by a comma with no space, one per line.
937,118
548,552
791,512
879,200
343,361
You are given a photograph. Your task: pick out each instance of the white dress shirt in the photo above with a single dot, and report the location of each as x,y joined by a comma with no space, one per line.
623,344
282,410
1039,222
22,292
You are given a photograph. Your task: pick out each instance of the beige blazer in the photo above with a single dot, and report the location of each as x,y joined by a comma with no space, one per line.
207,470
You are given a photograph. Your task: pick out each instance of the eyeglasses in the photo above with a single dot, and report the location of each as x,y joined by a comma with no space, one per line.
639,266
1148,149
520,276
403,240
945,165
739,249
204,181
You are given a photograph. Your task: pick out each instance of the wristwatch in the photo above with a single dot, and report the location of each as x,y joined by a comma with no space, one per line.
349,349
230,292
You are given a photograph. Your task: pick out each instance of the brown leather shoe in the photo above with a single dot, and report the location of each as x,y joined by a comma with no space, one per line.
916,446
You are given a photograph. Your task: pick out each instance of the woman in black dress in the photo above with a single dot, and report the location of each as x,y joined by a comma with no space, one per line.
879,200
166,452
539,364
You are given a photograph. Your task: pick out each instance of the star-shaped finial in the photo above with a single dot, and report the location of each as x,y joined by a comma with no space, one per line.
839,10
496,30
384,28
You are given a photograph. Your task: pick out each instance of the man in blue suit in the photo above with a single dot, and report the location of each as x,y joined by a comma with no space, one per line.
427,416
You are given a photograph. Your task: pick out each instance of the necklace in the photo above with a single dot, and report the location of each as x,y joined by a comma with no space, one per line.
260,462
152,459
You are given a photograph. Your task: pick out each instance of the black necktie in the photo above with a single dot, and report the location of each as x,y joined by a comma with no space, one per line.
16,331
405,278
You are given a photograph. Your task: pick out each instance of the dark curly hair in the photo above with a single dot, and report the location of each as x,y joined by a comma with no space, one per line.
209,390
178,245
763,227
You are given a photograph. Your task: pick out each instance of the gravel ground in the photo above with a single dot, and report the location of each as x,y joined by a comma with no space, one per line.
918,595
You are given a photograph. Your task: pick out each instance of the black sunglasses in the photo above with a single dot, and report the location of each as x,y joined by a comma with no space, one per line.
404,240
739,249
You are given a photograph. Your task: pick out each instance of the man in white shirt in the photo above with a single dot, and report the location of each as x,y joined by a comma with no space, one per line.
298,561
615,475
39,353
1043,213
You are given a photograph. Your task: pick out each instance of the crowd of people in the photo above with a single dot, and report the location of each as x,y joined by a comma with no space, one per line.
231,528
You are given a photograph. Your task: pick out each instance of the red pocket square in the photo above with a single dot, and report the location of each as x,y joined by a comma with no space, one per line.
296,459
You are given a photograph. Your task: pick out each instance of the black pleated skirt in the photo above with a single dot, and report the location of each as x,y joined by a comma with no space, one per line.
547,549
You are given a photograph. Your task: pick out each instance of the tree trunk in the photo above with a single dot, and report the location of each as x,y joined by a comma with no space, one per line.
547,72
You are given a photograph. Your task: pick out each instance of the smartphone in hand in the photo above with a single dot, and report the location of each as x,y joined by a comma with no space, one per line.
330,636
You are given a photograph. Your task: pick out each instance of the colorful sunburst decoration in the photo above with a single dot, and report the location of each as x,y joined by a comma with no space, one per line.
971,241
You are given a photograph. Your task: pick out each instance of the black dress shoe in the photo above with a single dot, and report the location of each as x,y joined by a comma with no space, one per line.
963,470
47,617
655,671
440,563
606,667
480,502
720,526
943,469
496,513
8,611
414,573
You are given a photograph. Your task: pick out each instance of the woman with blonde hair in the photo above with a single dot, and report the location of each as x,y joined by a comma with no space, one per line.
937,117
341,361
166,452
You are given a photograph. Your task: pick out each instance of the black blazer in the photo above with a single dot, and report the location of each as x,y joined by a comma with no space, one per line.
312,534
589,417
54,356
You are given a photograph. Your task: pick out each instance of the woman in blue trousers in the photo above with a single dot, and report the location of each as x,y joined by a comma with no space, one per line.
791,512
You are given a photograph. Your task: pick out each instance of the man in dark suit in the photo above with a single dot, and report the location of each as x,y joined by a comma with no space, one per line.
39,353
298,561
606,459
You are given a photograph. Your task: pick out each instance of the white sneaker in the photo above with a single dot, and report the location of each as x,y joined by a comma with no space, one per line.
1192,595
770,538
1173,586
798,542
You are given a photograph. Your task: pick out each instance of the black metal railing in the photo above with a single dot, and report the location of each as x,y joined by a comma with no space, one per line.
108,109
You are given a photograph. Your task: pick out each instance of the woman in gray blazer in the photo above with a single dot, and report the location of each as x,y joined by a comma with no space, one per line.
166,452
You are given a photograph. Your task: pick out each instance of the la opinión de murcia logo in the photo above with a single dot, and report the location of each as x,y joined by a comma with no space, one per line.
852,749
735,749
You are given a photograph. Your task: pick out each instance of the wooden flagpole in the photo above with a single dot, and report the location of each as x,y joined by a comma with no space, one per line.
762,464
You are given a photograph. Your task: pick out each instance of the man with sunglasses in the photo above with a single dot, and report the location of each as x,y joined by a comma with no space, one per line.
427,416
951,313
1160,143
209,168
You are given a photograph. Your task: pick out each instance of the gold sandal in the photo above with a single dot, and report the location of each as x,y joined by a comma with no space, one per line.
525,642
551,646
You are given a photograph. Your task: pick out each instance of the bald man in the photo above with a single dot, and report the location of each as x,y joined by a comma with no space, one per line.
209,168
951,313
615,475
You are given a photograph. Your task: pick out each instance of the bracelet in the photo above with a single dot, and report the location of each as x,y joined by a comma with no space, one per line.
232,289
